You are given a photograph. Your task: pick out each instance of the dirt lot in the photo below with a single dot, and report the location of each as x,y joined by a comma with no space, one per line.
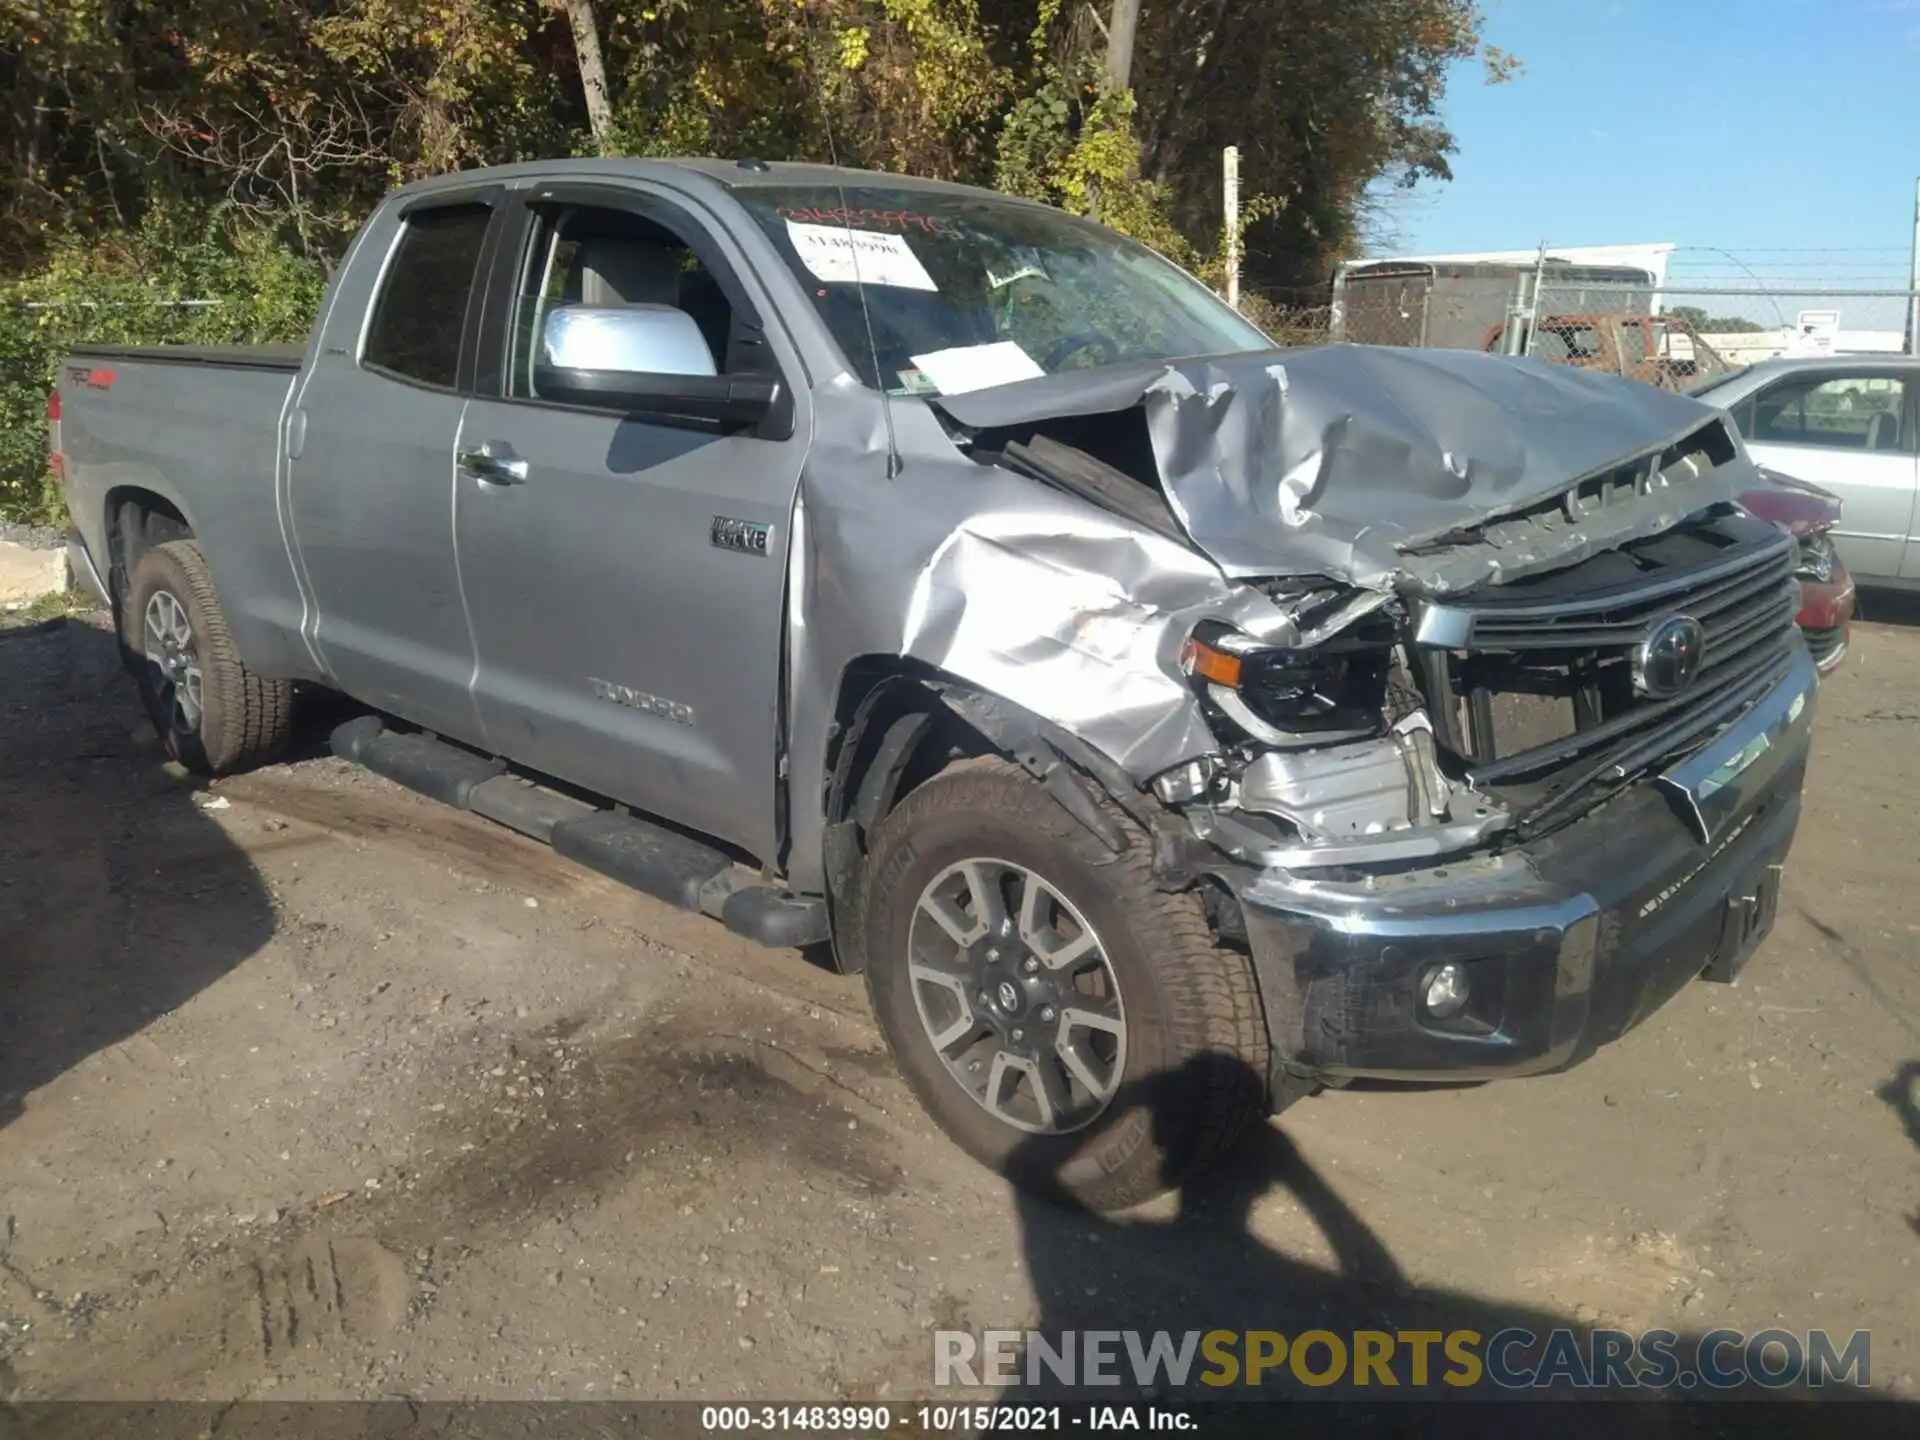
309,1087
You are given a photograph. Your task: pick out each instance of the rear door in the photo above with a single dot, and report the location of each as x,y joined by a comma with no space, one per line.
1850,429
370,484
626,577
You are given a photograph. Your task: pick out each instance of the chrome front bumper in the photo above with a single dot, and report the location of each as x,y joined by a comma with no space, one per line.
1568,940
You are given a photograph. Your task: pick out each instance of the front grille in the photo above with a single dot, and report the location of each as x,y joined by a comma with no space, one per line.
1525,679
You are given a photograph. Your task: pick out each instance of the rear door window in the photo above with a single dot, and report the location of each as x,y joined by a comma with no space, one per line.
1835,412
421,311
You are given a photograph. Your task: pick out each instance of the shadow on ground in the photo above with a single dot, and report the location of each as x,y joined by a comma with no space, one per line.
119,898
1887,607
1902,1092
1205,1270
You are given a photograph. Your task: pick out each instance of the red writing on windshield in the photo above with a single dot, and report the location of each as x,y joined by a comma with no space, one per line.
865,219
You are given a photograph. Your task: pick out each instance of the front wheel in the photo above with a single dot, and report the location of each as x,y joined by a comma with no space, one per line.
1066,1022
211,712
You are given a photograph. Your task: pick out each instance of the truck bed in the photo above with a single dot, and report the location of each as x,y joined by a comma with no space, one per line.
236,357
200,428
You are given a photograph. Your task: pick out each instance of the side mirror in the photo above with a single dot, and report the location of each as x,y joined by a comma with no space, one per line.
648,360
634,339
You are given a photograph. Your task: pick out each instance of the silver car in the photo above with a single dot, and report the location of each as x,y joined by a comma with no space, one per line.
1848,424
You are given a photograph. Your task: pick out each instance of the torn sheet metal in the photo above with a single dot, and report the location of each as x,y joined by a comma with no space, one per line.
1347,460
1380,798
1337,462
1018,588
1079,618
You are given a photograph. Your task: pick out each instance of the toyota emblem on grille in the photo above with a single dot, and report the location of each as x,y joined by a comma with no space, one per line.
1668,660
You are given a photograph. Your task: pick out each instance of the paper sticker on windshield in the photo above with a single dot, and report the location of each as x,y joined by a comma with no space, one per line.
841,256
998,281
975,367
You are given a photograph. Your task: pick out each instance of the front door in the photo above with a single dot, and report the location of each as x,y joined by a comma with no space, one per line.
626,578
371,477
1851,432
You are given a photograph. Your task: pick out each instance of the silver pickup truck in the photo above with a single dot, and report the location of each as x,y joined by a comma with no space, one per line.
1166,724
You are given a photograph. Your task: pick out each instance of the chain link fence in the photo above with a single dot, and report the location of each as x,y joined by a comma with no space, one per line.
1702,314
1678,337
1297,316
1424,306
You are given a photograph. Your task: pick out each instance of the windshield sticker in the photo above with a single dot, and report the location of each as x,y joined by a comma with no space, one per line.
866,219
977,367
998,281
841,256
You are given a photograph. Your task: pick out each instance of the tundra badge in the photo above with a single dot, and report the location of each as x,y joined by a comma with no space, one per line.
639,700
749,537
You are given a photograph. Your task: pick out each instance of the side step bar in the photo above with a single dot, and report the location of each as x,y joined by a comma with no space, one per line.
651,858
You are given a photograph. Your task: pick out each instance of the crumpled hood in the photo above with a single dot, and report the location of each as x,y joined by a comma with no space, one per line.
1340,460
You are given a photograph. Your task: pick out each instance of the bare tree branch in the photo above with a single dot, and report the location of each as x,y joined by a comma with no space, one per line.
275,161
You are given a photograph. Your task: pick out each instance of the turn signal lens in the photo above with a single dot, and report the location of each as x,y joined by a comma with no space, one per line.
1199,658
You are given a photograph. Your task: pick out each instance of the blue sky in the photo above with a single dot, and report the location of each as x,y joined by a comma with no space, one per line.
1774,129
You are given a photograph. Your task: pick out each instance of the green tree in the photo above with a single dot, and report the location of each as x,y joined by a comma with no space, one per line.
1701,323
142,140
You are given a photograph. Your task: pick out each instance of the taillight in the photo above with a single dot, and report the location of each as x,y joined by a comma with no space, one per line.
55,460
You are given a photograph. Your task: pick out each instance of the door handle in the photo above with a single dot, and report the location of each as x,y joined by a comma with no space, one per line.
493,464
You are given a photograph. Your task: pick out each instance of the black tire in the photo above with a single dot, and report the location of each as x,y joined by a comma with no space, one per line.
243,719
1195,1062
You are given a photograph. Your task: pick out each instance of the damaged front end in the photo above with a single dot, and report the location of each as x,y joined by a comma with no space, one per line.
1428,727
1329,755
1462,686
1472,598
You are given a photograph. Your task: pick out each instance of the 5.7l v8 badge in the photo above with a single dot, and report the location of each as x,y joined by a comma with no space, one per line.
749,537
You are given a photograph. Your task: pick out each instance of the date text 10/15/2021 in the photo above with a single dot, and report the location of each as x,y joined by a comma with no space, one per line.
942,1419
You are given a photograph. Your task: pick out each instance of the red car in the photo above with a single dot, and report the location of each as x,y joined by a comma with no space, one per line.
1826,589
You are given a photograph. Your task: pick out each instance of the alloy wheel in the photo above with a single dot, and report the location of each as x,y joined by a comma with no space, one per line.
1017,995
174,660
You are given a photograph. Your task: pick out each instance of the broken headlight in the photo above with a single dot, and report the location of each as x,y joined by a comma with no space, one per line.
1284,697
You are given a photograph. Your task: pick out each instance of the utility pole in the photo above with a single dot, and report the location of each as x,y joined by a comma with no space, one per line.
1230,178
1913,280
1524,313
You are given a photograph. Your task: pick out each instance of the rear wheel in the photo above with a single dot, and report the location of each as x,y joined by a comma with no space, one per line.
1065,1021
212,714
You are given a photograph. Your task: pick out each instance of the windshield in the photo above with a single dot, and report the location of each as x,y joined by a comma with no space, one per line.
967,290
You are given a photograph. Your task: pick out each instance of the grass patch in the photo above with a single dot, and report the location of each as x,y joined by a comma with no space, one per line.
57,605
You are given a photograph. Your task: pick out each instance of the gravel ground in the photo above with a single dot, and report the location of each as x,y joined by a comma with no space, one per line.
311,1088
